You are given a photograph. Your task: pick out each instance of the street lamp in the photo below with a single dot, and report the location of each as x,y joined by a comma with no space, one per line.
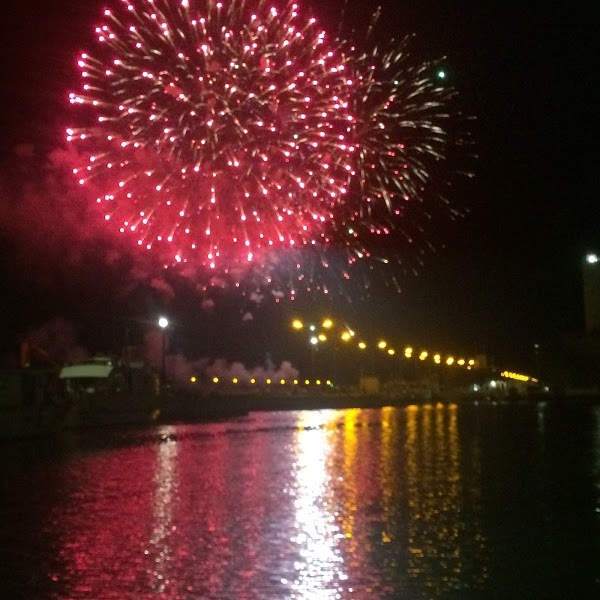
313,346
163,323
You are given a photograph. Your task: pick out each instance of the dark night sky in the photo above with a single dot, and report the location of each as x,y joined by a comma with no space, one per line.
509,275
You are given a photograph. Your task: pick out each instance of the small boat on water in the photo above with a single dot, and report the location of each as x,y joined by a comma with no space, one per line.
103,391
97,392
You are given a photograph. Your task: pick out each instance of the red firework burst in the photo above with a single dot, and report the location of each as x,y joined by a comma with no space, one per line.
219,131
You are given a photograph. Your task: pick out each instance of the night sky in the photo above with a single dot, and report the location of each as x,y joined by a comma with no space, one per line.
504,278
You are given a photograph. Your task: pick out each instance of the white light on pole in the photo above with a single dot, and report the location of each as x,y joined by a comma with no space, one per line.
314,340
163,323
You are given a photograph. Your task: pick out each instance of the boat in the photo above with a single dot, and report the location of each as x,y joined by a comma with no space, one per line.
101,391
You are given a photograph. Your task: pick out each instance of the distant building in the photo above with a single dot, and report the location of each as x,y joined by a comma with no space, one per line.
591,293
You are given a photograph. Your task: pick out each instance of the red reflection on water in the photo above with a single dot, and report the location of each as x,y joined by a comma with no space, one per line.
104,532
312,505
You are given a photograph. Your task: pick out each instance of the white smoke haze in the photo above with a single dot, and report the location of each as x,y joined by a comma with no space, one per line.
180,369
226,372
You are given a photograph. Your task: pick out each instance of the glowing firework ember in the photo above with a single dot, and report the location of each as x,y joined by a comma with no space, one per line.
222,130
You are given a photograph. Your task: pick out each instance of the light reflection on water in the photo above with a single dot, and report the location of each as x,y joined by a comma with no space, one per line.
321,565
440,539
165,481
433,501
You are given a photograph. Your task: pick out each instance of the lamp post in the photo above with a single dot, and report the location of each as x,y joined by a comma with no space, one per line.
163,323
324,334
314,340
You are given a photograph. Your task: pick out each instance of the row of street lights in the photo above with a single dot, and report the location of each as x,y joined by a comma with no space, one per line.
346,334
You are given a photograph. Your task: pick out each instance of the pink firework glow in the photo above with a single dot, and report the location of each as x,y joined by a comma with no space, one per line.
218,131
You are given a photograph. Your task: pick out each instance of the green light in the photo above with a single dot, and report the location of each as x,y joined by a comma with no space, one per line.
442,74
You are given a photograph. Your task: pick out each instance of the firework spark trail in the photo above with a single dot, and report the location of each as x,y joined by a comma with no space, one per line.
237,137
401,110
222,131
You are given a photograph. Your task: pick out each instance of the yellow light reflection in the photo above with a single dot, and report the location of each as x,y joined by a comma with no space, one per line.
437,500
388,468
351,490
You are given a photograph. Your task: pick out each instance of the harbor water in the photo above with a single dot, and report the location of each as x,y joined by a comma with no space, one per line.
431,501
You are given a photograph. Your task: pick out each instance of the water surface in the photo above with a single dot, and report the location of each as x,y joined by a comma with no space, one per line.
437,501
